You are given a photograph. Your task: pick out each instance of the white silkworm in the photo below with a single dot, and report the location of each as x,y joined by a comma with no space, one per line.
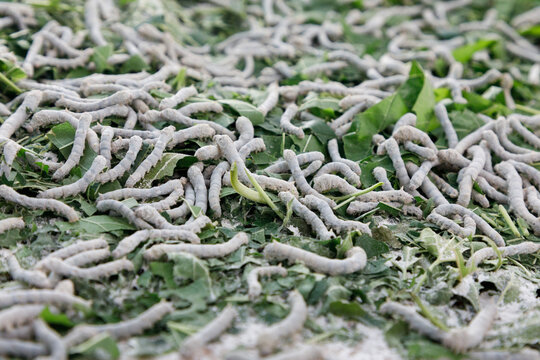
526,247
329,182
151,215
347,116
121,209
17,119
93,22
524,132
407,119
328,216
123,97
391,148
105,144
76,150
273,336
303,353
11,223
18,315
454,209
181,96
203,106
380,175
428,188
196,179
254,286
498,149
271,99
88,257
199,250
73,249
468,228
197,131
183,210
93,273
254,145
340,167
463,339
351,58
303,158
214,190
53,341
21,348
469,174
169,201
122,329
142,194
309,216
152,159
333,150
287,126
300,180
502,129
530,172
130,243
56,206
325,67
178,117
32,277
78,186
355,259
71,63
244,127
135,144
415,320
311,168
352,100
49,297
209,332
514,190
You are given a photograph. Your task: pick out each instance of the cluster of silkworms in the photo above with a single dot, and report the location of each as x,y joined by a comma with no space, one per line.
126,127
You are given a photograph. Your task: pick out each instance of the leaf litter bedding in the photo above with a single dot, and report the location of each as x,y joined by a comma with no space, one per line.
270,180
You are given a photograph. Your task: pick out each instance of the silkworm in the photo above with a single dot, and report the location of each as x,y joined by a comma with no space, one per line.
53,341
93,273
130,243
76,150
199,250
333,150
328,216
490,191
142,194
351,58
514,192
105,144
198,131
415,320
526,247
428,187
11,223
254,287
422,151
303,158
17,119
151,215
463,339
10,195
88,257
352,100
347,116
454,209
469,174
181,96
169,201
271,99
209,332
18,315
254,145
355,259
340,167
380,175
152,159
121,209
32,277
178,117
183,210
502,129
473,137
391,148
21,348
203,106
300,180
270,338
49,297
287,126
524,132
71,63
329,182
73,249
93,22
418,177
78,186
214,190
244,127
309,216
530,172
123,97
122,329
197,181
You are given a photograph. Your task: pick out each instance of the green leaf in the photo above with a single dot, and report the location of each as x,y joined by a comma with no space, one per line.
9,75
62,136
165,271
465,122
96,224
357,144
55,319
245,109
134,64
100,56
436,245
320,129
346,309
371,246
166,166
424,349
95,347
419,97
464,53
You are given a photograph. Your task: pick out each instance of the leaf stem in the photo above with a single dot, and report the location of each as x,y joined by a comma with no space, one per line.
350,197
